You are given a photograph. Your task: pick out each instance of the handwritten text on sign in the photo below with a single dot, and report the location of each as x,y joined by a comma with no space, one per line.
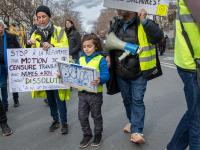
78,76
155,7
35,69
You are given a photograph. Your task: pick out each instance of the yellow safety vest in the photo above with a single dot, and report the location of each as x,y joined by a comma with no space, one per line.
182,54
58,39
94,63
148,55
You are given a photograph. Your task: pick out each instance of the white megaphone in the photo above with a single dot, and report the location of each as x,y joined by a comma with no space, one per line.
113,43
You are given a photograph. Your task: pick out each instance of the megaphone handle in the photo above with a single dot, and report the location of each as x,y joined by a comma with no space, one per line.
124,55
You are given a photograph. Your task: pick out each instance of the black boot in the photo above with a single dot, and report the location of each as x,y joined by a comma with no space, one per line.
16,103
55,125
85,141
6,130
64,129
46,101
97,140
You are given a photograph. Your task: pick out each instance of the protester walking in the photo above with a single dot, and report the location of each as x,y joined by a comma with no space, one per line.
48,35
133,72
90,102
187,60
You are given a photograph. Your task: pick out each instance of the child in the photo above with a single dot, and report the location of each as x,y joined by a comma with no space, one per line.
88,101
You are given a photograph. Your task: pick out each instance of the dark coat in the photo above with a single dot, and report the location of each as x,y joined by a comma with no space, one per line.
129,67
12,42
74,39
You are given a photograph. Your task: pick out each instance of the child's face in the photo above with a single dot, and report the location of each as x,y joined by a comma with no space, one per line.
88,47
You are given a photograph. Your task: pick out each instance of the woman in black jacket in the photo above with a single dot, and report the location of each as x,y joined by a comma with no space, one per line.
74,39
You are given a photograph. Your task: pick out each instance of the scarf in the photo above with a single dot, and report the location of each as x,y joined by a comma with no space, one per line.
68,31
45,32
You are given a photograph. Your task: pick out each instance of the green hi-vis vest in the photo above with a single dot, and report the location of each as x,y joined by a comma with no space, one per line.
182,55
148,55
93,63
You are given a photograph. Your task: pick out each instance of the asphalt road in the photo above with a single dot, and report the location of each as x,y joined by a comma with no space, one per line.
164,100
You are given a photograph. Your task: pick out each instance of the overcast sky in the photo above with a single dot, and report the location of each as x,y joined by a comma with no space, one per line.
90,10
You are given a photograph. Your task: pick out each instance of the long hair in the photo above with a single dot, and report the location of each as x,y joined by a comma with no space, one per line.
96,40
73,26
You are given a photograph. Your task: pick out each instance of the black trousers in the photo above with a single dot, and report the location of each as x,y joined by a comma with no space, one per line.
15,96
90,103
3,118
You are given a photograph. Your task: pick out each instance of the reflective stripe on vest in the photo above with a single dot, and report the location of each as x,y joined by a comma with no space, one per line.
182,55
55,38
94,63
60,35
148,55
186,18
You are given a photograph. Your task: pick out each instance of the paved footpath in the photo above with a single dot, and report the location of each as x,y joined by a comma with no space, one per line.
164,101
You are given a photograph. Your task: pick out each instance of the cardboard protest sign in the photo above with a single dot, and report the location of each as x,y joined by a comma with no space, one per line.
78,76
154,7
35,69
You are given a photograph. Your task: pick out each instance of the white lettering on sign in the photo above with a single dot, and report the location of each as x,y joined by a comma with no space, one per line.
78,76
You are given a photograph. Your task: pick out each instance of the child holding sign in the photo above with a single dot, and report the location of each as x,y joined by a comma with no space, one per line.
88,101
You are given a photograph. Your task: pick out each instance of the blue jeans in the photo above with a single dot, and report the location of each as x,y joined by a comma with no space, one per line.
132,92
3,85
188,130
56,105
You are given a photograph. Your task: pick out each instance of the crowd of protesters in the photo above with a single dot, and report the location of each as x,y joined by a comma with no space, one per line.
131,74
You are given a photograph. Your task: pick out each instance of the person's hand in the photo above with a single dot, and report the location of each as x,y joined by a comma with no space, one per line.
30,42
108,61
58,75
96,82
46,46
142,14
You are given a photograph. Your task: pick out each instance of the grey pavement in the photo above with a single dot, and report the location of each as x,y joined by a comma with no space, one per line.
164,100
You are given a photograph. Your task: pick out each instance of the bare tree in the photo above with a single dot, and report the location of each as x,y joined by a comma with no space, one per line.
18,11
103,21
21,12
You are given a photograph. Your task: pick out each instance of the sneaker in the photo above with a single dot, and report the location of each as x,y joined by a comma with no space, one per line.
6,130
85,141
55,125
64,129
137,138
16,103
97,140
127,128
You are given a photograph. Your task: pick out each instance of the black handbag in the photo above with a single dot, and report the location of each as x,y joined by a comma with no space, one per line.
111,84
155,72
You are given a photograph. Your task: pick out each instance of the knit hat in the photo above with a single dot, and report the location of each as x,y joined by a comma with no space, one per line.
44,9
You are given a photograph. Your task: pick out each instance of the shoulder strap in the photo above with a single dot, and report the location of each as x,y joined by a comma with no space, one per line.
60,35
184,33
